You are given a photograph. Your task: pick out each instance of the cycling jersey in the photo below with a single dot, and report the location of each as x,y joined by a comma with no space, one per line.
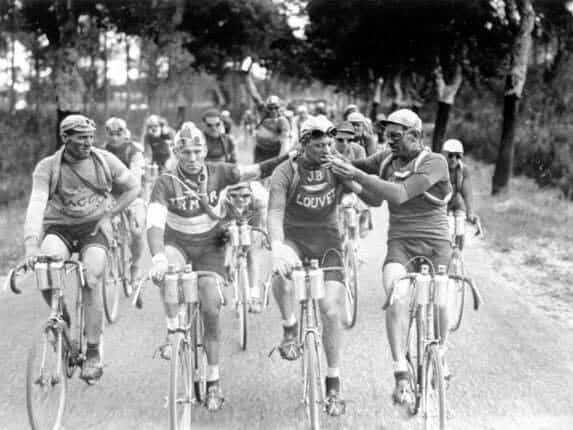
160,150
126,153
270,131
462,189
221,148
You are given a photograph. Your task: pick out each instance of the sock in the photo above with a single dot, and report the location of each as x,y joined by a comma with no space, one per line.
212,372
400,366
290,321
333,372
211,383
172,323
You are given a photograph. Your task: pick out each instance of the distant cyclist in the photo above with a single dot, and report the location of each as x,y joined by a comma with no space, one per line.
220,145
157,139
364,135
131,155
461,203
70,210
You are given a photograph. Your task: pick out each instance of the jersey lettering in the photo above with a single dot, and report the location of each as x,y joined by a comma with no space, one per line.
315,176
316,202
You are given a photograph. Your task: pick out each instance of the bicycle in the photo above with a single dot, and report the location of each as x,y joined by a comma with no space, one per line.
425,367
239,245
60,347
188,367
350,228
118,268
456,265
150,174
309,288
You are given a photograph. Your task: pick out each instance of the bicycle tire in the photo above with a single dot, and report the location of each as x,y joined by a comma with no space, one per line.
414,359
434,391
312,400
125,264
180,384
350,287
457,296
242,305
51,339
110,289
199,360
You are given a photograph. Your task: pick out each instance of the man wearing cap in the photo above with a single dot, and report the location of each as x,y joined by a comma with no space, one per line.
157,138
303,223
184,226
415,183
272,132
70,210
220,145
365,138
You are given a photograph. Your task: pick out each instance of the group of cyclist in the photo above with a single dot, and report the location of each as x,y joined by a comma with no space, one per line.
79,189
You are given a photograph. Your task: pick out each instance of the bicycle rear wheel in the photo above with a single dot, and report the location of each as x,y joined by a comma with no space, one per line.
46,380
350,287
110,286
180,384
457,293
242,305
434,391
311,376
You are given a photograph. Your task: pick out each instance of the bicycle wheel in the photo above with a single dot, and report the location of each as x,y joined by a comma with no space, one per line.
350,286
110,287
180,384
124,265
199,359
457,292
312,380
242,305
46,381
414,359
434,391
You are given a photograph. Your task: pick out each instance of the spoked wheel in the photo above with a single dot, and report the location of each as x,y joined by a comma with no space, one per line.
242,306
180,384
199,361
350,287
311,380
457,292
46,380
124,265
414,360
110,287
434,392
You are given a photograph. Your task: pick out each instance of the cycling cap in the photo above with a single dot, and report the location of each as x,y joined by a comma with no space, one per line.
153,120
115,124
301,109
345,128
77,123
405,118
273,101
454,146
349,109
317,123
210,113
356,117
226,114
189,134
289,113
240,185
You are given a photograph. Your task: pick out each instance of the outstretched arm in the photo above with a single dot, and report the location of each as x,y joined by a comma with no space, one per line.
36,207
253,92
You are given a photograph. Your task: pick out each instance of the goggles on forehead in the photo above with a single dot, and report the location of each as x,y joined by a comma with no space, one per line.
317,134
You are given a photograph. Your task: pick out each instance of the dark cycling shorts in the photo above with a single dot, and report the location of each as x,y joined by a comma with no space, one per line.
313,243
204,255
402,250
78,237
263,154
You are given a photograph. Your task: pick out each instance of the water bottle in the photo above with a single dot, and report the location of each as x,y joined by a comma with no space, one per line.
154,171
41,269
460,224
351,217
189,285
233,230
423,282
245,235
299,281
56,273
171,287
441,285
316,276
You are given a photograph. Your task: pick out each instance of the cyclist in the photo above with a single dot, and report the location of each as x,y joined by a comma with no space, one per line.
70,210
303,222
247,201
348,110
157,138
272,132
461,204
184,225
227,121
415,183
130,153
363,134
301,116
220,145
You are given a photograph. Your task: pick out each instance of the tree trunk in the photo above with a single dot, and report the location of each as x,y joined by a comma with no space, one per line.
105,80
440,125
37,98
514,87
127,80
13,59
446,94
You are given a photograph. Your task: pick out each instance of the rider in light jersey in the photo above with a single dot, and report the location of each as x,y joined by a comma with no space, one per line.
416,184
303,222
364,135
70,210
131,155
184,225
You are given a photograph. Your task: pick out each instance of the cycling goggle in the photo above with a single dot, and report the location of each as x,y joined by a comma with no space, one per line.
317,134
240,195
455,155
345,139
213,124
395,135
272,107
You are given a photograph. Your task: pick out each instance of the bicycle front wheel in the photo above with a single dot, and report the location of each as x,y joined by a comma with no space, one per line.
457,293
311,365
350,287
434,391
110,287
242,306
180,384
125,265
46,381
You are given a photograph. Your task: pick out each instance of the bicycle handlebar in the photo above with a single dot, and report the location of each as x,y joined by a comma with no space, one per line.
390,299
